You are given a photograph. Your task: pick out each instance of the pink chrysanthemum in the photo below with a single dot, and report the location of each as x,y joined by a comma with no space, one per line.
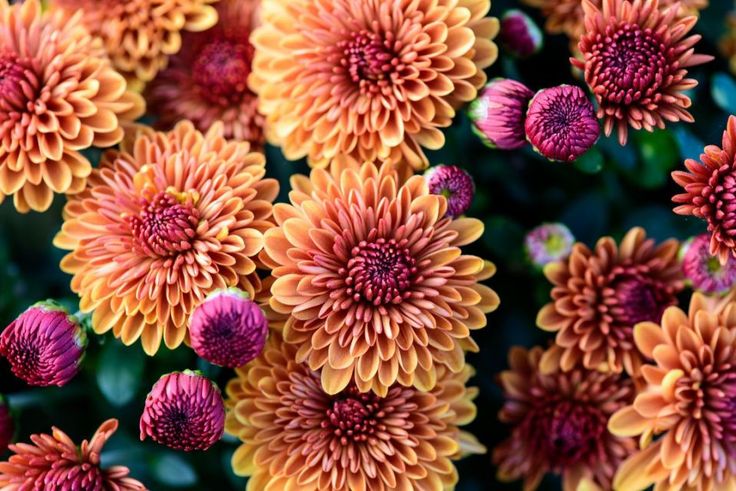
548,243
7,426
455,184
561,124
519,34
705,271
44,345
228,329
184,411
498,113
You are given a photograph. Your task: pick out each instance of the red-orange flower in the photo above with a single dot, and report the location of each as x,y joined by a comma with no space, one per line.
164,221
207,80
373,277
370,78
296,436
600,294
59,95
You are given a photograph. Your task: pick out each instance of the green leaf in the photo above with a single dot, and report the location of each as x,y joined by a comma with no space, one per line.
658,153
723,91
174,471
120,372
591,162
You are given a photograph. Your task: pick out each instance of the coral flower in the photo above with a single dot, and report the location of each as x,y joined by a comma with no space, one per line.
704,271
59,95
7,426
635,58
207,80
140,35
55,463
559,424
709,187
165,221
455,184
686,415
369,78
600,294
373,277
498,113
184,411
296,436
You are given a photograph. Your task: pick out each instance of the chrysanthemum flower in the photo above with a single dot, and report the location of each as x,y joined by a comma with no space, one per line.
58,96
704,271
296,436
709,187
686,414
548,243
559,424
600,294
455,184
54,462
728,42
370,78
44,345
373,277
140,35
7,426
498,113
561,124
228,329
207,80
635,58
184,411
163,222
519,34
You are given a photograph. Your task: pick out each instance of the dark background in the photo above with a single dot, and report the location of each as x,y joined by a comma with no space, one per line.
610,190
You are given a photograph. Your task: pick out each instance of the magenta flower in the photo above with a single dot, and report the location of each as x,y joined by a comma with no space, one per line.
548,243
705,271
453,183
44,345
228,329
498,113
561,124
519,34
7,427
184,411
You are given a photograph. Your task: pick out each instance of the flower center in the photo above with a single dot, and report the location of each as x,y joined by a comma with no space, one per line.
164,226
221,71
354,417
638,301
16,79
380,272
369,59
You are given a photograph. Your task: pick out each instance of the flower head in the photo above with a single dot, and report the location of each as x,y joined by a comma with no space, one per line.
549,242
184,411
498,113
44,345
59,95
54,462
296,436
686,414
228,329
373,277
140,35
165,221
635,58
561,124
369,78
704,271
599,295
455,184
519,34
559,424
709,192
7,426
207,80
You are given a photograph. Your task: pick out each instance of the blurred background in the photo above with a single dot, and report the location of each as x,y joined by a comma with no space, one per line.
609,190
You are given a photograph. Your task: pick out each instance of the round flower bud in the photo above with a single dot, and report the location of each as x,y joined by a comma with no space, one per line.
548,243
519,34
498,113
453,183
184,411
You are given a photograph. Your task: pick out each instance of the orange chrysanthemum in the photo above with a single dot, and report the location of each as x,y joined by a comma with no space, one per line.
687,414
598,297
295,436
54,462
207,80
372,275
139,35
370,78
162,223
559,424
58,96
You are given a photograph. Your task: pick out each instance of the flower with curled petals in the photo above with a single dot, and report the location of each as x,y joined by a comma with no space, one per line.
59,95
165,221
55,463
635,56
372,275
369,78
140,35
207,80
296,436
704,272
559,424
599,295
687,415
